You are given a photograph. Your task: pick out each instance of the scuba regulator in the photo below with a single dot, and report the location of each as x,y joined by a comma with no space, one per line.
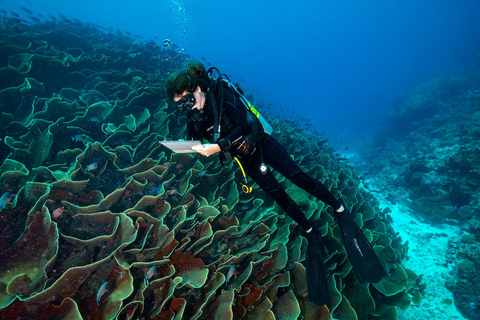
186,103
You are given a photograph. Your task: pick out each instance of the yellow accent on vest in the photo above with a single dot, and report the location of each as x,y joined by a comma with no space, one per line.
254,111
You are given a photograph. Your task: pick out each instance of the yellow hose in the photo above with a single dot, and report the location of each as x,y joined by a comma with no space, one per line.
245,188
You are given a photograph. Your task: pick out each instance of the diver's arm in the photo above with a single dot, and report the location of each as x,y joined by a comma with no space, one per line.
236,112
207,149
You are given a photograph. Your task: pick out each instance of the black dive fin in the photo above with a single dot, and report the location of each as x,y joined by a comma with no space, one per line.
365,262
317,283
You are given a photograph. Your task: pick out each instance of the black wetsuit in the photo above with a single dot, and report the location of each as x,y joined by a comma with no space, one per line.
234,128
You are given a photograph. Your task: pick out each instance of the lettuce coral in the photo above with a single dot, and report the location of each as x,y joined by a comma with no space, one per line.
144,233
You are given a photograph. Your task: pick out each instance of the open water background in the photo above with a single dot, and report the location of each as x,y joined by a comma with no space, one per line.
338,65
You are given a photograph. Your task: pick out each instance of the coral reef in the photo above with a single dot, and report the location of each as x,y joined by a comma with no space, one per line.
464,253
429,160
99,221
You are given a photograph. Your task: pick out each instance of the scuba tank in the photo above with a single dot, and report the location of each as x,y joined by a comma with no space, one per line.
224,78
266,126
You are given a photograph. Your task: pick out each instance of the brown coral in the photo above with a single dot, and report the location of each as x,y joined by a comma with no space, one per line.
144,233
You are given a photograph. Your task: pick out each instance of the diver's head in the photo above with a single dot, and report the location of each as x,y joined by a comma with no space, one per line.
187,88
192,102
188,100
194,75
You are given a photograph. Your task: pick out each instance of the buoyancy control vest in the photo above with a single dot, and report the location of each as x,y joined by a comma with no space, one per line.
257,124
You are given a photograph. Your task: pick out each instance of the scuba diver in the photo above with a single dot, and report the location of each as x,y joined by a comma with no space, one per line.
218,112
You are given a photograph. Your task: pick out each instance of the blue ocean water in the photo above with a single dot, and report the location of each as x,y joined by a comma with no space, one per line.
339,65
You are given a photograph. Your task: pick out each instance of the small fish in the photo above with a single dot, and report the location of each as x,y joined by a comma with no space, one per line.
202,173
26,10
78,137
179,166
57,212
232,272
94,119
126,194
103,289
150,273
5,199
91,167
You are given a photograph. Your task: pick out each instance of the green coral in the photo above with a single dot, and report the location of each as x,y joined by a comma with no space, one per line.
84,144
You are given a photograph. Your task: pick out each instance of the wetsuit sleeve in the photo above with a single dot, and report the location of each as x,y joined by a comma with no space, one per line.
236,112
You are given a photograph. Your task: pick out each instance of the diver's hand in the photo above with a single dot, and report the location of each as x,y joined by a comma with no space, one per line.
199,99
207,149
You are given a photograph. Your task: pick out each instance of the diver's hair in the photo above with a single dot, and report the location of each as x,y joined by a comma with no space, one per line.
187,79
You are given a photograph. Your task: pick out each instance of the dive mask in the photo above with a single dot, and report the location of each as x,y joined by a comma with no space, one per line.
186,102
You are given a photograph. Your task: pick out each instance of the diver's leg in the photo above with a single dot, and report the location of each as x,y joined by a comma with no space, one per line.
273,188
317,280
277,157
362,256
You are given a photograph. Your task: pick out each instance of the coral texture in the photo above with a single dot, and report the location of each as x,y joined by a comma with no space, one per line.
99,221
429,160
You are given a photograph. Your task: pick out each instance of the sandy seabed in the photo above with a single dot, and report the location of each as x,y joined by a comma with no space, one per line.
427,255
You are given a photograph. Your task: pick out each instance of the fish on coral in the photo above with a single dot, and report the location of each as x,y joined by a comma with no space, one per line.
126,194
202,173
232,272
150,273
57,213
172,191
155,190
193,243
78,137
97,79
91,167
166,164
101,291
5,199
129,313
179,166
94,119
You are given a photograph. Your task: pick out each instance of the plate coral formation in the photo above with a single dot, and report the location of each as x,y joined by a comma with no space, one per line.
429,160
99,221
